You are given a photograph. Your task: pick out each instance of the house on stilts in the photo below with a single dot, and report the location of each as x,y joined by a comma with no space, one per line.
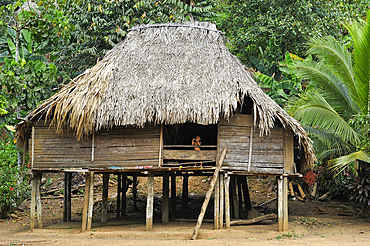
144,103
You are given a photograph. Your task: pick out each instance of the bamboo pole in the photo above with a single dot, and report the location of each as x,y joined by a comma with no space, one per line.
222,198
118,195
165,200
149,203
250,151
38,200
33,201
216,209
93,146
185,194
208,195
234,197
285,201
280,204
33,147
134,192
227,201
86,202
173,196
67,197
124,200
104,206
91,202
240,200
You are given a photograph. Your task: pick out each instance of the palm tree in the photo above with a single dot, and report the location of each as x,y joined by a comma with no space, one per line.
335,108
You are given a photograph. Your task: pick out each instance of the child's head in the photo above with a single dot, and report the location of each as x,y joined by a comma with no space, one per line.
197,138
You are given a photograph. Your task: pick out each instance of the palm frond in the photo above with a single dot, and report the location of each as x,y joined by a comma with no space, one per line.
340,163
321,76
360,33
337,58
313,110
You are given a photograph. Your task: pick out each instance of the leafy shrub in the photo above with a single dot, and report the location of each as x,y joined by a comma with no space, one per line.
12,193
360,187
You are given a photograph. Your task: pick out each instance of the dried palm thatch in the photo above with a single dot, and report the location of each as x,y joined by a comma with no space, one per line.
163,74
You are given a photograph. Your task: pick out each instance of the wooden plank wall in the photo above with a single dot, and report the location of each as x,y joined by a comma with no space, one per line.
120,147
267,151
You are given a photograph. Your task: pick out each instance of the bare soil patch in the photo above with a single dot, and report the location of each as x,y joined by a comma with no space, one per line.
310,222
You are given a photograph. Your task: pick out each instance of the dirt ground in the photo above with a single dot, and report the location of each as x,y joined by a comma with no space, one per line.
310,222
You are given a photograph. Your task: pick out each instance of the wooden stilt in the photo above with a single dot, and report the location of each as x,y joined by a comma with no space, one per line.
222,199
234,197
165,199
217,205
104,204
86,202
185,194
240,199
67,197
247,199
173,196
38,200
227,201
33,200
118,195
208,195
285,205
91,202
134,192
124,200
280,203
149,202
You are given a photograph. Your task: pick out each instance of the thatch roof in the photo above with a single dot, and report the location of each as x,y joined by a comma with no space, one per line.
166,73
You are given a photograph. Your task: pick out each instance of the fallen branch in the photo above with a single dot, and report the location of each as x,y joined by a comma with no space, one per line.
323,197
253,221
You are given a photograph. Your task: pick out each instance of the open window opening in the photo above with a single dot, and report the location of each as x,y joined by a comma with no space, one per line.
189,145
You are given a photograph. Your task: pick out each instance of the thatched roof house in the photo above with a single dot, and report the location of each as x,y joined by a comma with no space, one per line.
164,81
164,74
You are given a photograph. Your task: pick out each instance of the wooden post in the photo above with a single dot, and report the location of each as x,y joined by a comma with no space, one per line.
38,200
86,202
285,201
227,201
222,198
185,194
217,205
173,196
161,147
92,146
149,202
124,200
247,199
33,200
134,192
165,199
288,151
91,202
280,203
240,199
67,197
234,197
250,150
118,195
33,147
104,205
208,195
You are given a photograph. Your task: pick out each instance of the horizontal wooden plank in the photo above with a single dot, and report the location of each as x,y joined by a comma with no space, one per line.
256,170
118,141
238,120
257,158
254,164
99,164
47,143
256,146
189,154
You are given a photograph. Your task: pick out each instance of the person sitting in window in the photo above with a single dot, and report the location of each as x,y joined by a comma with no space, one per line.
197,142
